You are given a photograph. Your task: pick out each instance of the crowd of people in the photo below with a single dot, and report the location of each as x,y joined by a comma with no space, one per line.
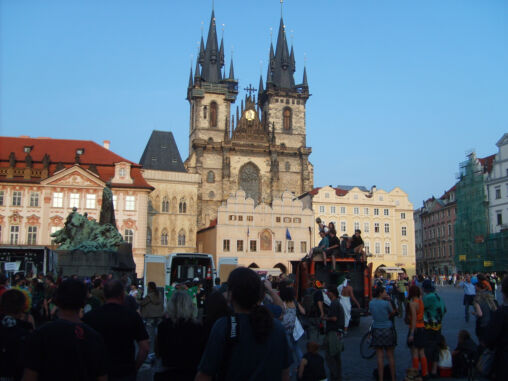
247,328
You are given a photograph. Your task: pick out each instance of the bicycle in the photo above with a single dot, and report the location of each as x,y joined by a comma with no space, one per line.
367,351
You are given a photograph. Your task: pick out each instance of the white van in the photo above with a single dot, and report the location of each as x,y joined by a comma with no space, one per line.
172,268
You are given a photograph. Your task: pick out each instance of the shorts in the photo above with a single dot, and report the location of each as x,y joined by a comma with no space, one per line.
418,339
383,337
432,339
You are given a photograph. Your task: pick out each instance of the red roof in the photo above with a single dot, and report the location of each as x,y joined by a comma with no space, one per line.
487,162
446,194
63,151
338,191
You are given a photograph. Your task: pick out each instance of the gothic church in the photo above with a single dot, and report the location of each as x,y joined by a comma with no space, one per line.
259,148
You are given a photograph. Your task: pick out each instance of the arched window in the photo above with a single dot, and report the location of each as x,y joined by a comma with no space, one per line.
182,206
210,177
165,205
288,166
249,181
181,238
148,237
286,117
213,114
164,238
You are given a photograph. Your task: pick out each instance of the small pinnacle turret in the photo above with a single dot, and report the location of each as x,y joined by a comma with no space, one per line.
231,70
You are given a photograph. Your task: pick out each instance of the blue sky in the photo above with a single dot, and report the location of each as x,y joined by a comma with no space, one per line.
400,90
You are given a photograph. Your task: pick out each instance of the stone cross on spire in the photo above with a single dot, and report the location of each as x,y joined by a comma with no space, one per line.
250,90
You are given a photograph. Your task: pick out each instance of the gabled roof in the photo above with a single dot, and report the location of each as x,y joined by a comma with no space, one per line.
161,153
487,163
447,193
62,154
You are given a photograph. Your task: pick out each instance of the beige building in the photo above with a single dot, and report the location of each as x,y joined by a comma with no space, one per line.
260,236
43,179
384,218
262,149
172,207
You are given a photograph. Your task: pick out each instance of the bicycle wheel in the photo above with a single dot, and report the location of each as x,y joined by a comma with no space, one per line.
366,351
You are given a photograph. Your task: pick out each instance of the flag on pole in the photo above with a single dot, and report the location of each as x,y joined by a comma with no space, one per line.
288,236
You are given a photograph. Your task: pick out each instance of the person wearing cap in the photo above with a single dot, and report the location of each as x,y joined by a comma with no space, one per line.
469,294
434,311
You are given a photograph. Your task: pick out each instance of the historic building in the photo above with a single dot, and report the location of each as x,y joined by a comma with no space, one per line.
497,184
384,218
437,219
418,239
43,179
172,206
259,235
261,148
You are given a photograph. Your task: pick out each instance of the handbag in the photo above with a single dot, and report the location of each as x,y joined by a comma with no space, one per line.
298,331
486,362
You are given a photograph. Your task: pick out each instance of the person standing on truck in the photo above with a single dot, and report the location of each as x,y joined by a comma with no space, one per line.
333,249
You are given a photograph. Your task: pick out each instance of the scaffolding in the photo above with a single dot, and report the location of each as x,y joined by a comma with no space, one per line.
471,224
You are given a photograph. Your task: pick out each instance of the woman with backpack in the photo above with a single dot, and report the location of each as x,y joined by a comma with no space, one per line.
416,334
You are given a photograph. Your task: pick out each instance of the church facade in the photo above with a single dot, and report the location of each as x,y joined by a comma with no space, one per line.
260,147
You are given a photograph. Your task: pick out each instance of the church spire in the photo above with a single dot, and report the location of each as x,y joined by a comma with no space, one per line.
304,83
212,60
260,87
282,63
231,70
191,83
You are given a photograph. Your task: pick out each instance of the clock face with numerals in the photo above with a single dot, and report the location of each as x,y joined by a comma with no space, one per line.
250,114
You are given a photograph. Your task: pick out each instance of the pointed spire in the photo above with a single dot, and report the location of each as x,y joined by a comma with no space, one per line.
292,59
212,56
197,75
231,70
201,57
305,84
260,87
282,62
221,52
191,83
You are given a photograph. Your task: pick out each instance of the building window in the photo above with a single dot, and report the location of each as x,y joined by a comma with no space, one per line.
14,235
2,193
225,245
404,250
498,193
366,227
16,198
128,236
213,114
356,211
182,206
404,231
377,248
32,235
332,210
278,246
114,202
251,218
253,246
387,228
286,115
303,246
327,195
291,246
239,245
342,210
288,166
357,225
343,226
387,247
287,219
232,217
366,211
449,230
386,212
130,203
277,219
240,218
403,216
57,200
121,172
74,200
164,238
181,238
148,237
210,177
376,211
90,201
34,199
165,205
499,216
376,227
321,209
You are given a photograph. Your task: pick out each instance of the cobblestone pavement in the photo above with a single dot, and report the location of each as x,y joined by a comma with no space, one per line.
356,368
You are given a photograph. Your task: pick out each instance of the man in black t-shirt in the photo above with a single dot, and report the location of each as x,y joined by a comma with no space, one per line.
357,243
66,349
334,326
120,327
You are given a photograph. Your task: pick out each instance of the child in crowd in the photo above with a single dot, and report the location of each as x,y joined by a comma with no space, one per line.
312,366
445,359
464,357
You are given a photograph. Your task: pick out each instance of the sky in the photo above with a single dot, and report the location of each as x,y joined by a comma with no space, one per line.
401,90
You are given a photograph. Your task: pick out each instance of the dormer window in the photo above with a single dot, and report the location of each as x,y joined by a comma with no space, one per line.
80,151
122,172
27,149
